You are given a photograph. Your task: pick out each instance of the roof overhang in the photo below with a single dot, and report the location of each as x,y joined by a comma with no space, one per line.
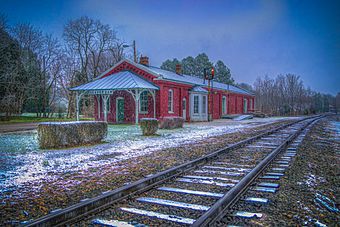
124,80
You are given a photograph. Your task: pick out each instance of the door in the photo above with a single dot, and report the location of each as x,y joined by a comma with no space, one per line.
184,107
120,110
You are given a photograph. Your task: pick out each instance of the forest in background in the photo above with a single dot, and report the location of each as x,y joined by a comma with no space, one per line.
36,70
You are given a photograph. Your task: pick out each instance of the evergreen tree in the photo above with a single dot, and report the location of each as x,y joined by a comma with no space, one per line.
195,67
202,62
188,66
245,86
222,73
12,80
170,65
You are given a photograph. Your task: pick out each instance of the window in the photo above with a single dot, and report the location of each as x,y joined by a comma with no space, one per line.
224,105
144,102
171,101
108,103
245,105
204,103
196,104
250,103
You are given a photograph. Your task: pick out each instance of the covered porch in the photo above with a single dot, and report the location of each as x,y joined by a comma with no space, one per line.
104,89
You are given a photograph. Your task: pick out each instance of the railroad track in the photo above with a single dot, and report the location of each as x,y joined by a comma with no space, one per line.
196,193
247,210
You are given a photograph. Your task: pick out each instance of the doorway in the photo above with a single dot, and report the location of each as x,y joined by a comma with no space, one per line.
120,110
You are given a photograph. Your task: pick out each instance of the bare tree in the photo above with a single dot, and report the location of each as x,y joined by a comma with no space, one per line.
94,48
40,55
286,95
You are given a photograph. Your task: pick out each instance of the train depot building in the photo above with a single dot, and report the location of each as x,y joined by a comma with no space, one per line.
129,91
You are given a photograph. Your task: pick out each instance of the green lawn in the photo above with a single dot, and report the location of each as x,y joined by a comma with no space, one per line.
31,119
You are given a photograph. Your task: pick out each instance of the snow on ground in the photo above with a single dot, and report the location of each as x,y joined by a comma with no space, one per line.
22,161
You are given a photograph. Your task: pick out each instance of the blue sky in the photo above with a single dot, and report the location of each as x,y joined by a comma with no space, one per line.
253,38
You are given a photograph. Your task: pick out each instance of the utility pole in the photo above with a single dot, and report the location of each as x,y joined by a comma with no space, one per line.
134,51
209,77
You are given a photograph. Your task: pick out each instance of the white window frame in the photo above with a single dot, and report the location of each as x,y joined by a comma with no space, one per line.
224,104
204,103
245,105
142,102
170,101
198,105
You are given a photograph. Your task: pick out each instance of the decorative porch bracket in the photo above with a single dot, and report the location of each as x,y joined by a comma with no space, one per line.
105,98
136,95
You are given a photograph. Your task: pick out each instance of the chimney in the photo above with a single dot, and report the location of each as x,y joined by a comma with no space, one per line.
144,60
179,69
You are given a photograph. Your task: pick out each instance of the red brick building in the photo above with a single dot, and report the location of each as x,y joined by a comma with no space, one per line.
129,91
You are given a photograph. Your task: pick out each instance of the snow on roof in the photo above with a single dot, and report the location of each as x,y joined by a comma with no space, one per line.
199,89
168,75
117,81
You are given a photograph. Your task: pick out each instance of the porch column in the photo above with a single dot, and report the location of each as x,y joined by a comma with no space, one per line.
77,106
105,98
78,98
137,95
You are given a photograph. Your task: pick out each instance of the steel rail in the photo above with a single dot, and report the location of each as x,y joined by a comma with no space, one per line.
218,209
77,211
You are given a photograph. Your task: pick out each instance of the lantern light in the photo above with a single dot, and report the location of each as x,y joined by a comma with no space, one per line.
212,72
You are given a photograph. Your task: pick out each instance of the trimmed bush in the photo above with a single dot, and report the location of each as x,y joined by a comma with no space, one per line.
68,134
149,126
259,114
171,122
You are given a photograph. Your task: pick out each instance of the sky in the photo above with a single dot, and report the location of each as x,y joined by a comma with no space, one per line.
253,38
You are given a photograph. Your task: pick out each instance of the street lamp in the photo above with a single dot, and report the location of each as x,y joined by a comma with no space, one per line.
134,50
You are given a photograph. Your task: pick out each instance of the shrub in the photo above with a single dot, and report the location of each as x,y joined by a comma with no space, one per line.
149,126
171,122
67,134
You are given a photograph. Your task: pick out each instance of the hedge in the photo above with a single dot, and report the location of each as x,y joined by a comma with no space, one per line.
149,126
68,134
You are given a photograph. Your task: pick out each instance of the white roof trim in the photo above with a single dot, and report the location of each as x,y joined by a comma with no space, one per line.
142,67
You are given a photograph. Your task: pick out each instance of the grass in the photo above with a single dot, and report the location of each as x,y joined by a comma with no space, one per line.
32,119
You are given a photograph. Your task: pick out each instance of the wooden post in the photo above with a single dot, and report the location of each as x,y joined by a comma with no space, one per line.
209,102
134,51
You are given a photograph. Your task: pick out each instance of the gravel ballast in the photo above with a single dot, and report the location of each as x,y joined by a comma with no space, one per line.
310,182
